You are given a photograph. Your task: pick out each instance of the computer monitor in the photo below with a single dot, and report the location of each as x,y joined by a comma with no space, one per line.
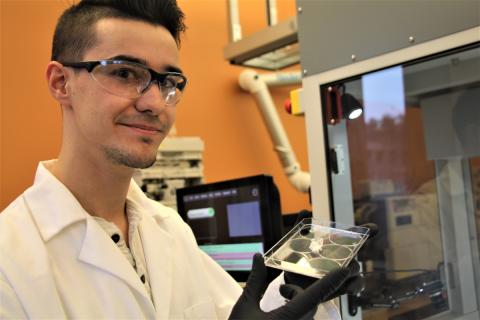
234,219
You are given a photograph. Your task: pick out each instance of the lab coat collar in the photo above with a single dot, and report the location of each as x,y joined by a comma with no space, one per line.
54,208
52,205
138,198
97,251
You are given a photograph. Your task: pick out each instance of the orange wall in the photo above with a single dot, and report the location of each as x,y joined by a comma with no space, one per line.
214,107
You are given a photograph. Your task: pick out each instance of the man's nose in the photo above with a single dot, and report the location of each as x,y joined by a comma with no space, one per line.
151,100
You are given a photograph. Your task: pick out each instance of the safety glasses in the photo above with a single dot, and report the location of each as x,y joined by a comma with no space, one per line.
131,80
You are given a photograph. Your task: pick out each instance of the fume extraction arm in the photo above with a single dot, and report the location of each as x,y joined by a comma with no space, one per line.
257,85
273,48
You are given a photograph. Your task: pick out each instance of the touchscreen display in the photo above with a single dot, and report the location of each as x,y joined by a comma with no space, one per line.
227,224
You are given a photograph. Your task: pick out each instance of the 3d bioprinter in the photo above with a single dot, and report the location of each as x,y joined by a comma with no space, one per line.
410,162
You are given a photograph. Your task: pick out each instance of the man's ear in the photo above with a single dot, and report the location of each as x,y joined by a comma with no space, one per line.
57,82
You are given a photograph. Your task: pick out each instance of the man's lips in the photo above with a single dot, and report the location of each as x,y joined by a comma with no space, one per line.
142,128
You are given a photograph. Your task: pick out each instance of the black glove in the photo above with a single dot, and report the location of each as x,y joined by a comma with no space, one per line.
353,285
248,305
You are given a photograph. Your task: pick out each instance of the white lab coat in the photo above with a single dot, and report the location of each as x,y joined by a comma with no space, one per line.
57,262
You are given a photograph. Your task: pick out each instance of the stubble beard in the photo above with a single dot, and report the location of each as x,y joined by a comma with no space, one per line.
131,160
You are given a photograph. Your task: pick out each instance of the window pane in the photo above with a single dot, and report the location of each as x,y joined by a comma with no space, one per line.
415,171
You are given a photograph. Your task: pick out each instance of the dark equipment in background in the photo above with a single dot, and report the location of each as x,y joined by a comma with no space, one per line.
233,219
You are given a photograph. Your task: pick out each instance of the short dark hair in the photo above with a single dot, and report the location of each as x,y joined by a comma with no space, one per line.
75,32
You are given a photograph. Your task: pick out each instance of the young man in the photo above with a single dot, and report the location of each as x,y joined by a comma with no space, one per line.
84,241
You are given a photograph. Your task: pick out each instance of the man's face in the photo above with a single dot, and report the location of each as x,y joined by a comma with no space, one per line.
122,130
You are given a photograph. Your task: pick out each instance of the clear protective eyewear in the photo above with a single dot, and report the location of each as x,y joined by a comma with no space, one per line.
131,80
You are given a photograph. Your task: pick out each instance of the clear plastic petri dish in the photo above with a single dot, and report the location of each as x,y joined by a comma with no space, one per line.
314,248
322,265
344,239
335,252
300,245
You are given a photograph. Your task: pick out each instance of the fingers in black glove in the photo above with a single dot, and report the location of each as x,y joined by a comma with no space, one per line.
290,291
304,214
248,305
309,299
257,280
353,285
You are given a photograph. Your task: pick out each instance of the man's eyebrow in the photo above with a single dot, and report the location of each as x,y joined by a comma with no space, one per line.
173,69
128,58
142,61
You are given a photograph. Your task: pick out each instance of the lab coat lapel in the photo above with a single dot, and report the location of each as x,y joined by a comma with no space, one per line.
100,251
157,247
54,208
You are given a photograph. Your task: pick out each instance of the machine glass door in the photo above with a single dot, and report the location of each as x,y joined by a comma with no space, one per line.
404,151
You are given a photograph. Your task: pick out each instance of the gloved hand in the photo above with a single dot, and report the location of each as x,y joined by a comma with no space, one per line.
353,285
297,283
248,305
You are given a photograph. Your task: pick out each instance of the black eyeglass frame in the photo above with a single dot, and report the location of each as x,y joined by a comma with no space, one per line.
154,76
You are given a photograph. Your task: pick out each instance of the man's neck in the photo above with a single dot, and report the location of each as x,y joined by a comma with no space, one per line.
99,186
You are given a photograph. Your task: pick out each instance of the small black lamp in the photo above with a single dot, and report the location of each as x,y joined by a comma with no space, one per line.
352,108
341,105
